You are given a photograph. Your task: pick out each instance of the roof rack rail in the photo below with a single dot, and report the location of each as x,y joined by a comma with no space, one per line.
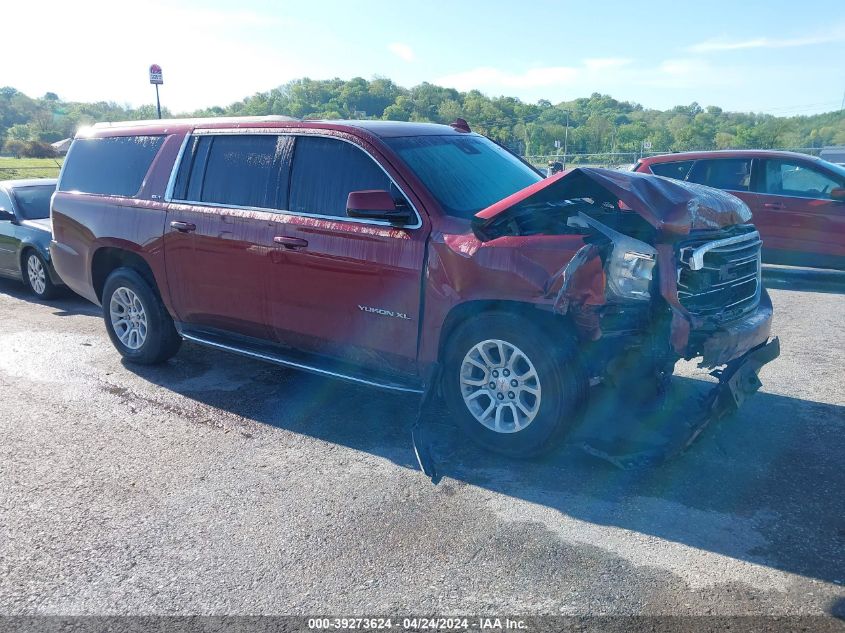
196,120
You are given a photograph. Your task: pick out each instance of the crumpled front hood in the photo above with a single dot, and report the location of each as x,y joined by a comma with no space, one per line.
672,207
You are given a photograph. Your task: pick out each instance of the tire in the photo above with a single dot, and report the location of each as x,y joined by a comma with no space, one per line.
36,275
131,304
563,384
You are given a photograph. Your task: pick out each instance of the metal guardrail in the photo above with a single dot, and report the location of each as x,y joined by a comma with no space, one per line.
613,159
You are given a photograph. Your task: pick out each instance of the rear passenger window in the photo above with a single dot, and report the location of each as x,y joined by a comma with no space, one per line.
241,170
733,174
677,170
325,170
245,171
111,166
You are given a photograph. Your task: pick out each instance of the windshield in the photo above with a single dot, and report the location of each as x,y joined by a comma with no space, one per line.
836,169
464,173
33,202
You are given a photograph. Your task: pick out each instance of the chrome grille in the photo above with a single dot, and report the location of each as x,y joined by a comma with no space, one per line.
719,280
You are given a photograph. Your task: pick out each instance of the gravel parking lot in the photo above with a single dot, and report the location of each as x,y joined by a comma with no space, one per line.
220,485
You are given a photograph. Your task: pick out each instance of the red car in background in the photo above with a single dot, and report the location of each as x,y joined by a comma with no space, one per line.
798,201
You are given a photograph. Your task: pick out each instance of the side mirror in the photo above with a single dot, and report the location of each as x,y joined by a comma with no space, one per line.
376,205
837,193
6,216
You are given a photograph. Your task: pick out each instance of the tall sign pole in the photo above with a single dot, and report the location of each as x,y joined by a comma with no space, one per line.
156,78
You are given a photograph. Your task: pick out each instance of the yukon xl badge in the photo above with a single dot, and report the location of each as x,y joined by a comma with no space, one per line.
383,312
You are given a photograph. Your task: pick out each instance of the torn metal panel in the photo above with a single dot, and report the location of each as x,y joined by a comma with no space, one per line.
578,290
682,320
737,381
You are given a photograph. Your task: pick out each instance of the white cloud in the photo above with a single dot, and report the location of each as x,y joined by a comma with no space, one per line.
692,73
605,63
682,80
488,78
722,44
492,78
402,51
683,67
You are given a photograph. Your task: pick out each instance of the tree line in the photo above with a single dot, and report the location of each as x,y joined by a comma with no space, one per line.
598,124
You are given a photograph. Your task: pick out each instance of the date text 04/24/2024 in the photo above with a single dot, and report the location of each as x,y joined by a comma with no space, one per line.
417,624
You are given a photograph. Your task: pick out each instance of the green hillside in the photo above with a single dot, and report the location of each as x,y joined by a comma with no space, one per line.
597,124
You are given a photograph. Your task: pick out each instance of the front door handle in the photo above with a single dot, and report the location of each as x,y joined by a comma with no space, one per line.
183,227
773,205
290,242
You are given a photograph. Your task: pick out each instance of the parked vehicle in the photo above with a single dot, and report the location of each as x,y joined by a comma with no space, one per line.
834,154
411,257
798,201
25,234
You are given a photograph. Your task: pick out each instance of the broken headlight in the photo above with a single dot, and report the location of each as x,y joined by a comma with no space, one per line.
629,269
629,266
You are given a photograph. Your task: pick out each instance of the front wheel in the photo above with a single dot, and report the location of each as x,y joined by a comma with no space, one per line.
136,320
514,388
36,276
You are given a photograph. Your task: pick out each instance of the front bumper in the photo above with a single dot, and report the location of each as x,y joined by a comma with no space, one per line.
737,381
732,340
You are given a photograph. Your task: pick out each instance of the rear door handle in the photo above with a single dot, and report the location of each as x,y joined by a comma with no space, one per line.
773,205
183,227
290,242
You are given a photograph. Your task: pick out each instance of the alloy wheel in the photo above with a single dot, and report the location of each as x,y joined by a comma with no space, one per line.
36,274
128,318
500,386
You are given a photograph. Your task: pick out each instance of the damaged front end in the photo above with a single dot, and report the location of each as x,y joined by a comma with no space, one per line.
668,270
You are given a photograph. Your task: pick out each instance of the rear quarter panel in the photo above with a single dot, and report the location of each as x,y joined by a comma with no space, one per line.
85,223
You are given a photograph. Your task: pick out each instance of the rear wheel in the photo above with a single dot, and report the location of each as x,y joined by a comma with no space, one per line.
36,276
514,388
136,319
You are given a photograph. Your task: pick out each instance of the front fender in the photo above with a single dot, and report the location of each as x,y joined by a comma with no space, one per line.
42,247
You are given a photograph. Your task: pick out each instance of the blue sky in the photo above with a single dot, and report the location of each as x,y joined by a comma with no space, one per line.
782,57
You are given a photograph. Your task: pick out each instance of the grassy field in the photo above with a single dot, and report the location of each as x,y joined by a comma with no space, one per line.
29,167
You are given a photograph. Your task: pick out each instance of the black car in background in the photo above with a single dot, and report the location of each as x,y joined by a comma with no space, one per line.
25,234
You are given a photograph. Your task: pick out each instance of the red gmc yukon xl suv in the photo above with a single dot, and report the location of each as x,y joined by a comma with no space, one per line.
414,257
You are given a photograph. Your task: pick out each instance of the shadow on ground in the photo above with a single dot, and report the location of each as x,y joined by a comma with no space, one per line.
764,485
65,304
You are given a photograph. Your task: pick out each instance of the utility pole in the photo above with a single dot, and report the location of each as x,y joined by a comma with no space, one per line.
565,138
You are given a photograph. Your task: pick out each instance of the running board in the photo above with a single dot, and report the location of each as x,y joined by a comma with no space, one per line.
273,356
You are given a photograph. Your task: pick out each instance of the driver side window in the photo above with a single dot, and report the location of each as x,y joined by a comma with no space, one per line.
796,179
325,170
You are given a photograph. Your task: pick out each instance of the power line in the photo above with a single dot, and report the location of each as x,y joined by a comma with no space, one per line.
804,107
